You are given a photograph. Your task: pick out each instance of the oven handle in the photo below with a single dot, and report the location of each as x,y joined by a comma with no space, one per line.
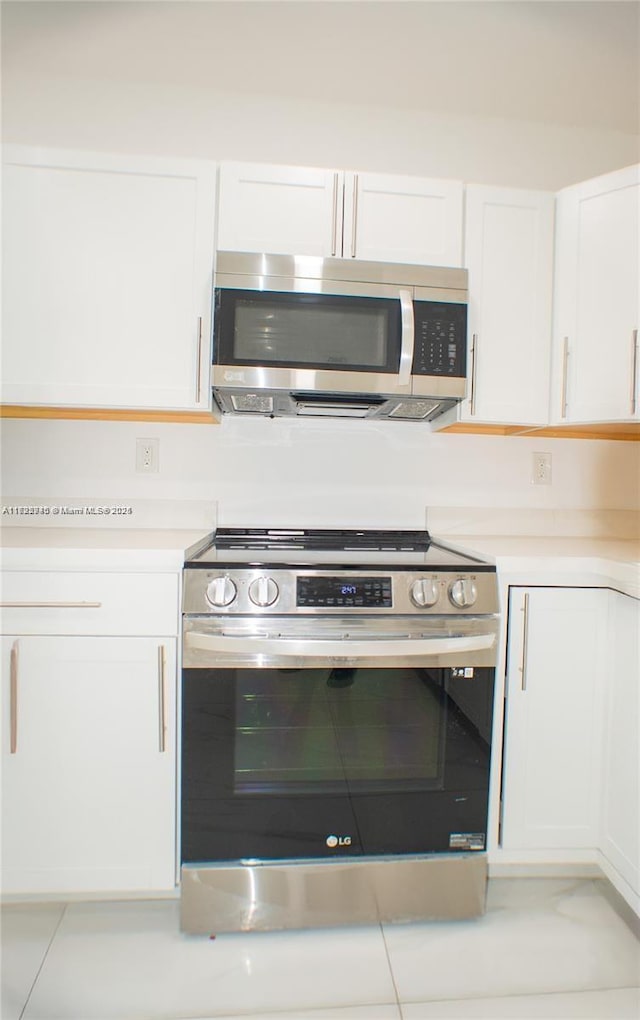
312,648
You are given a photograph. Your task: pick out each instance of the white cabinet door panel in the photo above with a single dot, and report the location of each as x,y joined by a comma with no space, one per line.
621,800
279,209
107,282
88,788
403,219
553,732
509,255
597,300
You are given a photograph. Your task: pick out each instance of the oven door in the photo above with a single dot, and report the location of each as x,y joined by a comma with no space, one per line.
360,738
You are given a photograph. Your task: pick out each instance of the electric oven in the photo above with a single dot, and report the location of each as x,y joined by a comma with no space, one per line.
336,729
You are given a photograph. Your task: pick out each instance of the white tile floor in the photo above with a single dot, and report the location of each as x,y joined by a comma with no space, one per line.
545,948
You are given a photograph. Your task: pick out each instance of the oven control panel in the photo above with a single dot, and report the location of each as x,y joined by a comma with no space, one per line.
262,590
329,592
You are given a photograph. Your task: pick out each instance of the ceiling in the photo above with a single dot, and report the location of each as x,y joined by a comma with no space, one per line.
566,63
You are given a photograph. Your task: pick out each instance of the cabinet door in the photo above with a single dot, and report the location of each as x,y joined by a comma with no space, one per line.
621,800
552,755
88,764
403,219
107,266
285,210
596,320
509,255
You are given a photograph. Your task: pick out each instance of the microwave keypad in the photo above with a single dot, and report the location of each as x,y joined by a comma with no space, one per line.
440,339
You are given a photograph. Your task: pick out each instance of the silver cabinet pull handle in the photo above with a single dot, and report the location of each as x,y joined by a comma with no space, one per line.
50,605
474,363
634,370
407,339
354,218
525,641
334,226
565,361
198,359
162,697
13,698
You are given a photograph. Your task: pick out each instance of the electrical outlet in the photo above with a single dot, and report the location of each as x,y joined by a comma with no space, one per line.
541,471
147,456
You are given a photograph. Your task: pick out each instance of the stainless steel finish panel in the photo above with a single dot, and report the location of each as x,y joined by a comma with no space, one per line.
197,580
438,386
308,267
304,643
310,894
309,380
302,285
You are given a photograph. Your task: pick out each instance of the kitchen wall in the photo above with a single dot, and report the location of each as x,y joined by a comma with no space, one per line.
323,473
123,77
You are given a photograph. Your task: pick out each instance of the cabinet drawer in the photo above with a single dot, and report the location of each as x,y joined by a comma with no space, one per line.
36,602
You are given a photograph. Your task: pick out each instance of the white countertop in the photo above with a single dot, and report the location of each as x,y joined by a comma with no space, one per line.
532,559
99,548
524,559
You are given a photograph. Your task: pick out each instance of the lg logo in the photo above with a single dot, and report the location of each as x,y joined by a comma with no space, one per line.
333,841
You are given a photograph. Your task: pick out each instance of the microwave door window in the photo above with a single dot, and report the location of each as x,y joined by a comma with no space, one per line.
316,331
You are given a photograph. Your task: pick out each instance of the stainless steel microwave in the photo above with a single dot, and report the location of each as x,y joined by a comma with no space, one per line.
331,337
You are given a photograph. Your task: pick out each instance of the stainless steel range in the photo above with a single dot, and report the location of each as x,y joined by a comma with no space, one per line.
337,703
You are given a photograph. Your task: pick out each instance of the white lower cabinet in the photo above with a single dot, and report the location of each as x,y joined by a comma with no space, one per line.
88,763
620,835
556,660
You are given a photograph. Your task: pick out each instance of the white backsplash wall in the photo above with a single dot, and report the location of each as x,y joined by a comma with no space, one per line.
313,473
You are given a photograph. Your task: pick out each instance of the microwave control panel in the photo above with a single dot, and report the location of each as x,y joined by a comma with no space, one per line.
440,339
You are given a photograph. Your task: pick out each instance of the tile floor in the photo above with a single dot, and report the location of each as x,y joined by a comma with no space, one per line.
545,948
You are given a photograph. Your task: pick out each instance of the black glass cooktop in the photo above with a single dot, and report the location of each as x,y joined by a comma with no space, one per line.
333,547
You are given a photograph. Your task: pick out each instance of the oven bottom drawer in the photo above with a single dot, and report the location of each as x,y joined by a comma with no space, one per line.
315,894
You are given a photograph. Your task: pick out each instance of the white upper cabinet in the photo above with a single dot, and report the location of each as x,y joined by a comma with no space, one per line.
402,219
107,268
596,362
509,256
279,210
305,211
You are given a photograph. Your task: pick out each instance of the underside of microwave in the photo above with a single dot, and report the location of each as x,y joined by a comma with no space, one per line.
285,404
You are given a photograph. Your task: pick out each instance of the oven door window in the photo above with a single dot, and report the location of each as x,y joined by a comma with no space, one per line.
320,331
278,763
336,730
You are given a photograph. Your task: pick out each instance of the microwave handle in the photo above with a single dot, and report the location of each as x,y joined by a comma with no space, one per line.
407,337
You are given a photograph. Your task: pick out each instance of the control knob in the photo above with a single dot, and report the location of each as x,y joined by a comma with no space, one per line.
263,591
425,592
221,591
463,593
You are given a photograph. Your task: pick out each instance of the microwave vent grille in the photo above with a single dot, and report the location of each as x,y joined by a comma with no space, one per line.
414,409
258,403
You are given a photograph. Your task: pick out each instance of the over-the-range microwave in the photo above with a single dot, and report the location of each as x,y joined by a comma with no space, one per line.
331,337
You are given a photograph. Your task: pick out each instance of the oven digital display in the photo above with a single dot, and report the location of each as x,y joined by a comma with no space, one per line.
343,591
